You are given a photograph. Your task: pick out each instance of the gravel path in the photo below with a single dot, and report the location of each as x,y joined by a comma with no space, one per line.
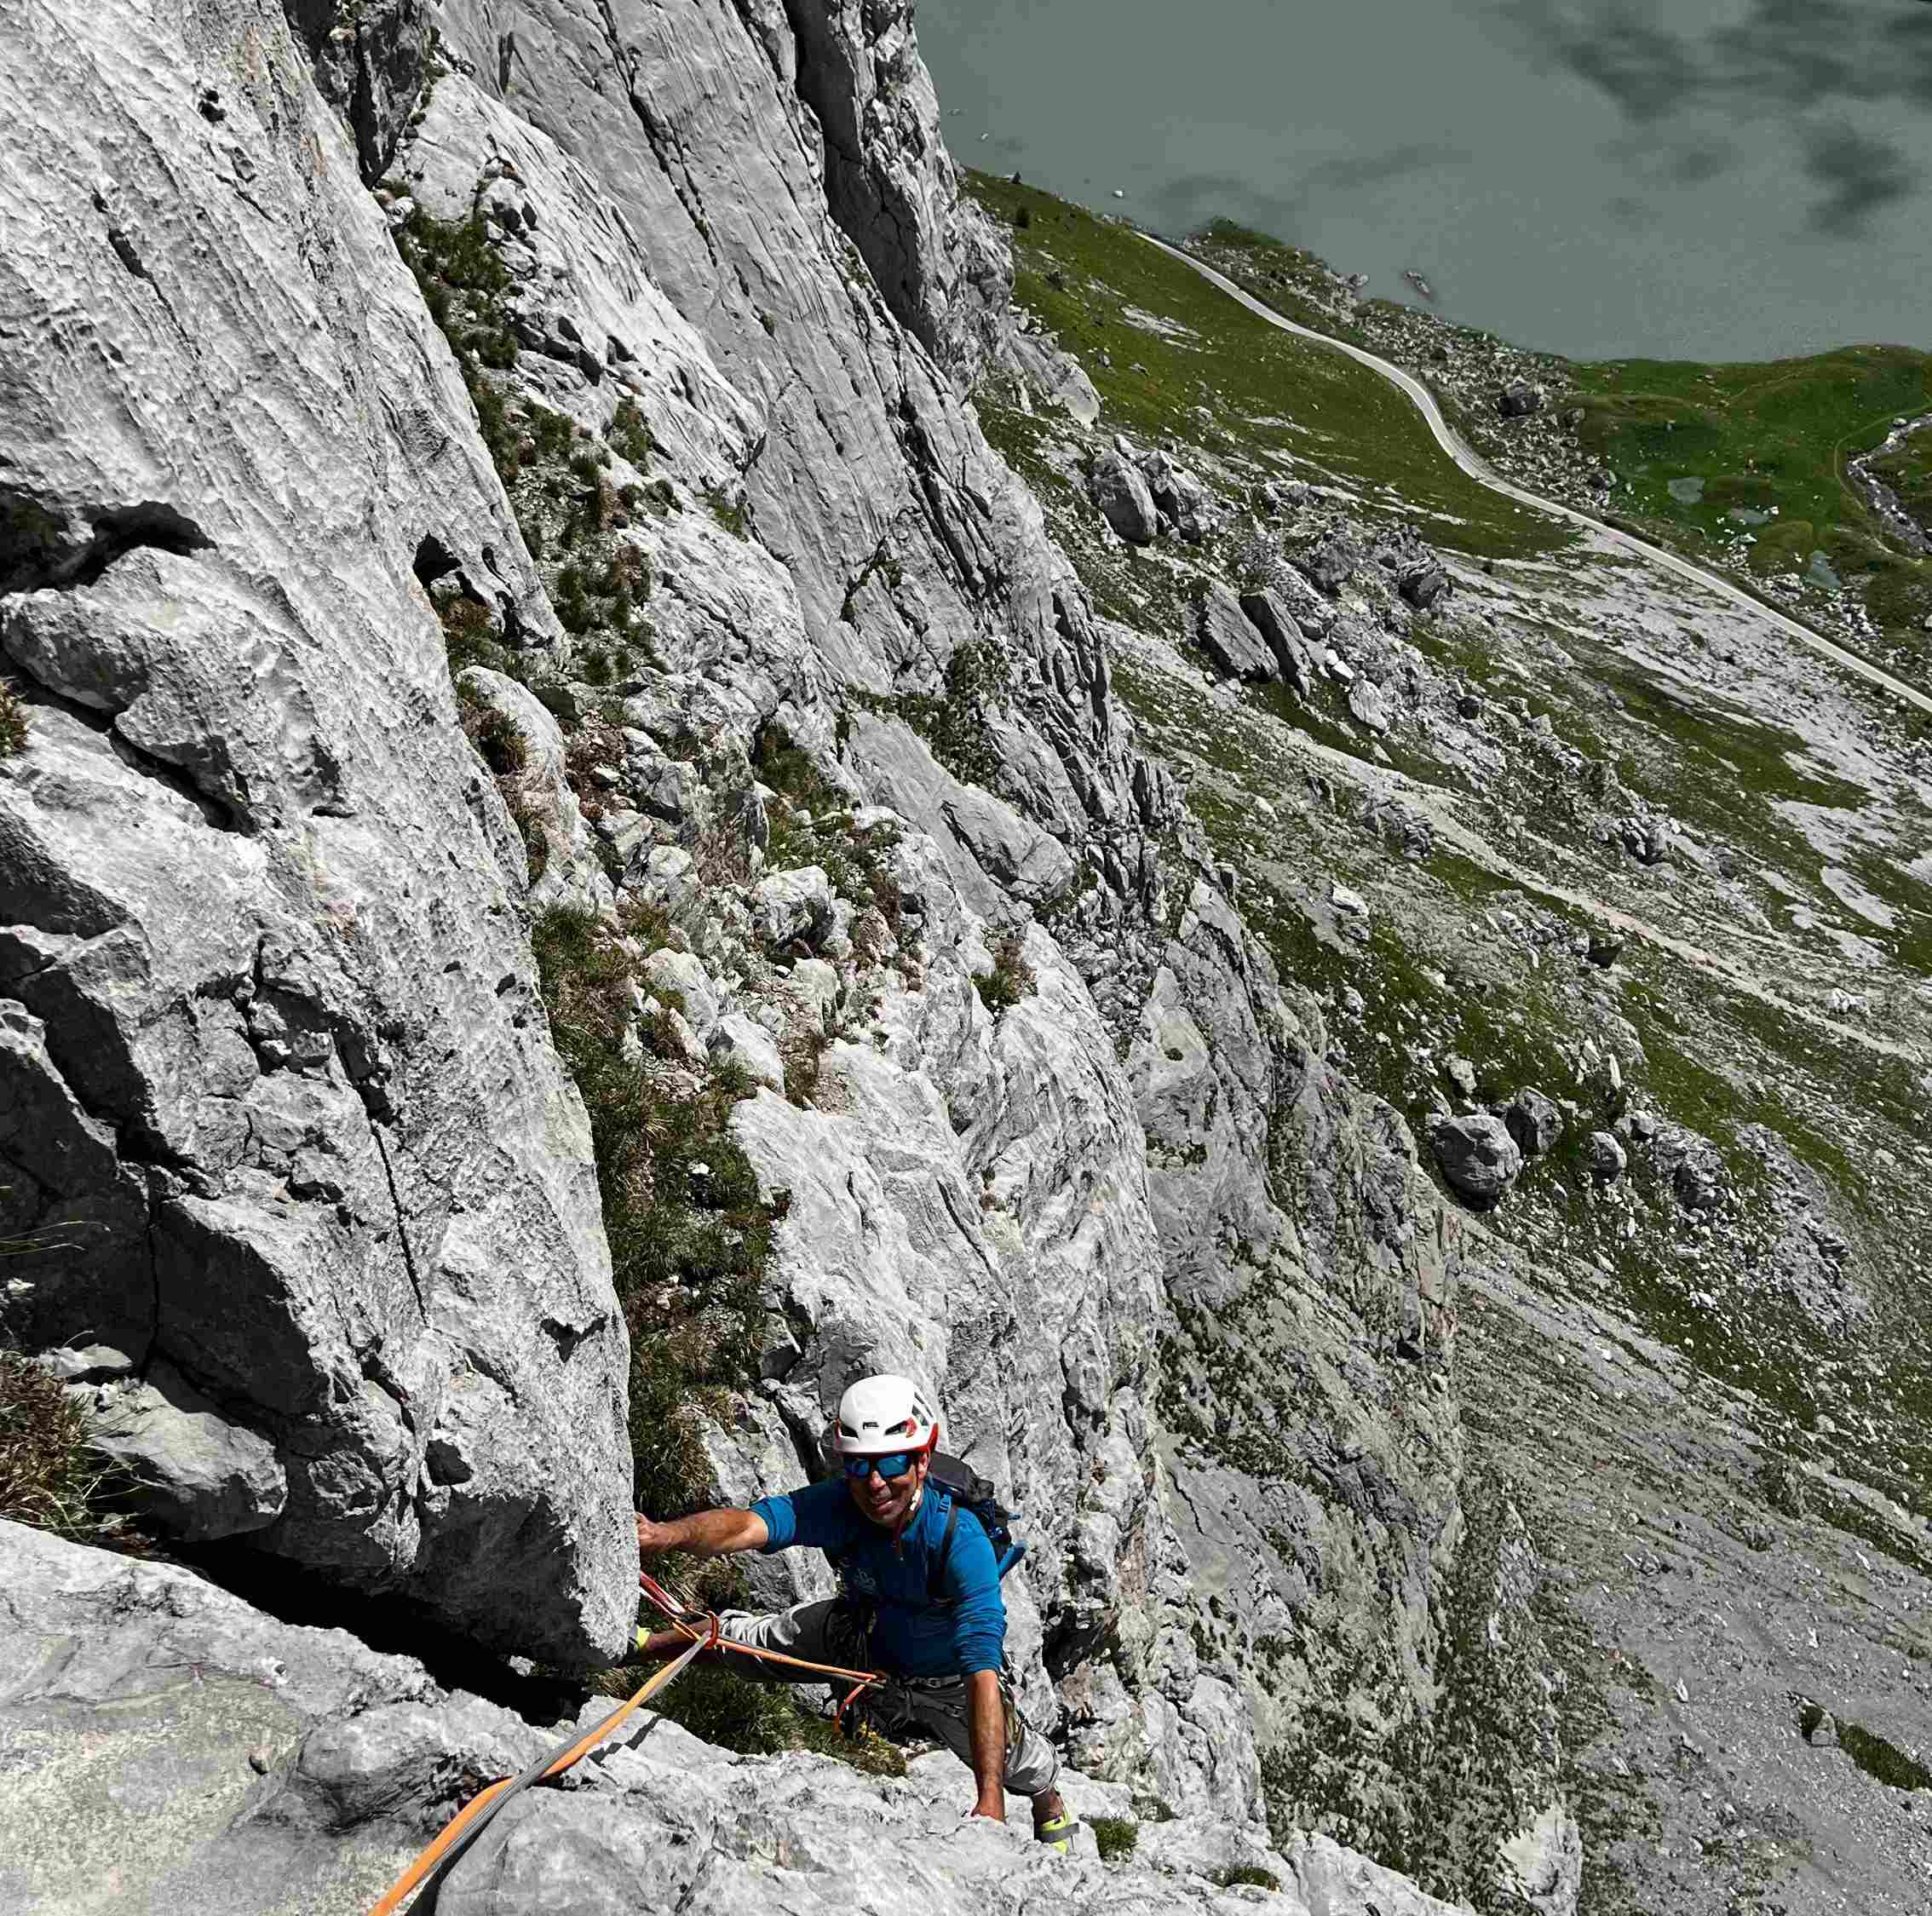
1485,475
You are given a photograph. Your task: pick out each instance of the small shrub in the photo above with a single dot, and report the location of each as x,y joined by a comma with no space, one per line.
550,431
1885,1761
1246,1873
731,516
13,722
48,1475
1012,978
468,638
689,1235
1116,1837
503,746
802,1056
629,435
1023,218
736,1713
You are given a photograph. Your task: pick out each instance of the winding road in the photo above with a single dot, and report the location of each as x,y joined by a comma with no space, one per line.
1485,475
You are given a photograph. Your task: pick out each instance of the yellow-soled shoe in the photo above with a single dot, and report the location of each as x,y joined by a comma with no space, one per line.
1057,1832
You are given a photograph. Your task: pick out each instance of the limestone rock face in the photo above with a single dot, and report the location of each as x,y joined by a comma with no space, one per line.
276,1077
1051,1132
941,263
297,1765
370,61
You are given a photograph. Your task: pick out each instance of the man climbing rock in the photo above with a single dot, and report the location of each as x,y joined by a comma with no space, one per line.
920,1597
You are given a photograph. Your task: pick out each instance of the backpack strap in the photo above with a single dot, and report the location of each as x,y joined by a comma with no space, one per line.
935,1568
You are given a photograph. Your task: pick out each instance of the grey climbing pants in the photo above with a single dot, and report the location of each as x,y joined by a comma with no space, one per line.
828,1631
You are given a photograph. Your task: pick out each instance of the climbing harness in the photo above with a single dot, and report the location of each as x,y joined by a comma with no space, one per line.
476,1816
702,1632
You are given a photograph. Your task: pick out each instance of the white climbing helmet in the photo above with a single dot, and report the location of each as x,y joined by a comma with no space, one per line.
879,1415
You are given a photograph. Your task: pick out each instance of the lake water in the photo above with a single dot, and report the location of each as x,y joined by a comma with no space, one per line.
1696,179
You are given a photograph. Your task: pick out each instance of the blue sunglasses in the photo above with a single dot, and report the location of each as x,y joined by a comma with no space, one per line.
896,1466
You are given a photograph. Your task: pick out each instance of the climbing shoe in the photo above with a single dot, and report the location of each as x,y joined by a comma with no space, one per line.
1057,1832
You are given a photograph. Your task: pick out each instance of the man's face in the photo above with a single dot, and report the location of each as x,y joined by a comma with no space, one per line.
885,1500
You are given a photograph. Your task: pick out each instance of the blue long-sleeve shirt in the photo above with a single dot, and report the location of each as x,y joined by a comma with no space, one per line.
912,1636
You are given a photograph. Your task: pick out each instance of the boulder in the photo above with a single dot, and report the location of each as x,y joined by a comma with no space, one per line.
1423,585
1283,637
1183,502
1231,640
794,905
1606,947
1116,487
1695,1167
1519,399
1369,703
1607,1156
682,975
1534,1122
1476,1154
1332,561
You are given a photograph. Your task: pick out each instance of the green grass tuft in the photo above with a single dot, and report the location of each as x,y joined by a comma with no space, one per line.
1116,1837
13,722
49,1477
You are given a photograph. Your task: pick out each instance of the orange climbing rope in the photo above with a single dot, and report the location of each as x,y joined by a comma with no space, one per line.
476,1814
701,1633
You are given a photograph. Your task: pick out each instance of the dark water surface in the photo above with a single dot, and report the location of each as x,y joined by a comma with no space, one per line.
1694,179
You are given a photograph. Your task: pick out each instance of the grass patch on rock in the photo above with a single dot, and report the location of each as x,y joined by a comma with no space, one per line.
13,722
49,1477
689,1234
754,1719
1169,354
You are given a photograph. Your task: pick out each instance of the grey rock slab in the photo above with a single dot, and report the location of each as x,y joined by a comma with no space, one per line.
1369,703
259,911
1118,487
1283,637
738,1039
990,848
1476,1154
200,1473
1231,640
164,1746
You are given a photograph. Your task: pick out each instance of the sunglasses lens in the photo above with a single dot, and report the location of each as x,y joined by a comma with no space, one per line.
890,1467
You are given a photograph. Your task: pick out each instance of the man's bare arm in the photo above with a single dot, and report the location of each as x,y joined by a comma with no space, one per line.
986,1728
708,1533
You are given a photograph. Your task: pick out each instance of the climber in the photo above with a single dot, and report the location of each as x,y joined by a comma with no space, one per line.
926,1611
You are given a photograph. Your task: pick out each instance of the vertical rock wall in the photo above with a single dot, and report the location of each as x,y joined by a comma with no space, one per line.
310,1199
1071,1150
